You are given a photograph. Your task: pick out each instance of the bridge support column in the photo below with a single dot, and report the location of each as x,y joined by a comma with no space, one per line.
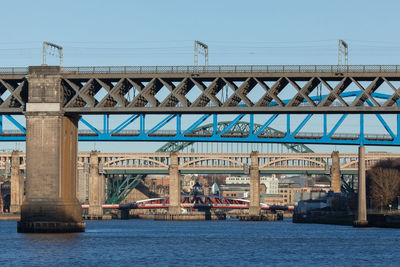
362,197
1,201
254,209
17,184
174,186
335,173
51,159
96,187
81,182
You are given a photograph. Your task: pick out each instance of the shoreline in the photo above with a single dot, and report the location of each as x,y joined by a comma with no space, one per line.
9,217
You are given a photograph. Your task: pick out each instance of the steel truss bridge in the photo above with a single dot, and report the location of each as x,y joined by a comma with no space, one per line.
244,92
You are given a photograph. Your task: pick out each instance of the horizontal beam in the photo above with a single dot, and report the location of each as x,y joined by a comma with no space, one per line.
236,110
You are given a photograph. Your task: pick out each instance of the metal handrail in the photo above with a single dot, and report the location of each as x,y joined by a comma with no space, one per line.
232,69
269,134
14,70
215,69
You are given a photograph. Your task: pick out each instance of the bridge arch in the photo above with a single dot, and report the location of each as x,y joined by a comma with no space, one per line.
240,127
273,162
188,163
160,164
354,164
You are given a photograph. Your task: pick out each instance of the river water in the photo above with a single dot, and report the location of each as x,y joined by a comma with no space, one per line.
202,243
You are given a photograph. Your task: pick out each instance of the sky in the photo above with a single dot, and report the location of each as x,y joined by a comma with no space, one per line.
131,33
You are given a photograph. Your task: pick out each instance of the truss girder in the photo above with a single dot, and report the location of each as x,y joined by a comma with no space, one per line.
243,127
303,92
13,94
201,93
335,92
238,130
367,93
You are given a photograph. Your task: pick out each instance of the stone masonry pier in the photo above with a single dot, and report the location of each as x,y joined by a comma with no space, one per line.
51,155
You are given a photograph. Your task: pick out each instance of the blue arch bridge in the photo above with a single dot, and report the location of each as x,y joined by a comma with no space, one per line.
310,104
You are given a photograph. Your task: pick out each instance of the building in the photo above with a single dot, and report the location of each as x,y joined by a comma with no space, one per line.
214,189
235,190
272,199
270,182
297,188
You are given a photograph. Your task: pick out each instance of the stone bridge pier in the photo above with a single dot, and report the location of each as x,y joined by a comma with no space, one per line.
96,188
51,158
361,219
17,183
254,209
174,186
335,173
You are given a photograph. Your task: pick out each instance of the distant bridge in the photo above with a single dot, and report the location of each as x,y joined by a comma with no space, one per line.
214,163
199,201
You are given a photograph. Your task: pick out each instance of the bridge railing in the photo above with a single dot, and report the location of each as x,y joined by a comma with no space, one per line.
14,70
216,69
233,69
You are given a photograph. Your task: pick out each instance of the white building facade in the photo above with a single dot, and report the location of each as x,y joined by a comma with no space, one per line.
270,182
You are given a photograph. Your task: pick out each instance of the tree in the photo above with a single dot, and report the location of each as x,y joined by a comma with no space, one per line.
383,182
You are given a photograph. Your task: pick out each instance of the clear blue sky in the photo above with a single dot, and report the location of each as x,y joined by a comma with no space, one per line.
237,32
162,32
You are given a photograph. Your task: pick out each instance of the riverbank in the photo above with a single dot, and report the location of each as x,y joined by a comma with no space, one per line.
9,217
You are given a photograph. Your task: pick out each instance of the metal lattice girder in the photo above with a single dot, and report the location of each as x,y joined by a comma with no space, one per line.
186,89
234,131
240,127
246,132
175,100
118,189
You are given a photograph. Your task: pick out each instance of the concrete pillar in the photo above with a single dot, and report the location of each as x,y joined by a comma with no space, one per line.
96,187
81,186
17,184
254,209
174,185
51,158
362,197
335,173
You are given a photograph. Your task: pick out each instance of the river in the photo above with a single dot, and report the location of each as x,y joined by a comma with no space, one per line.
202,243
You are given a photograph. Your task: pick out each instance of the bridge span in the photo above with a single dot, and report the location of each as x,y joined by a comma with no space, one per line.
207,163
52,99
187,201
